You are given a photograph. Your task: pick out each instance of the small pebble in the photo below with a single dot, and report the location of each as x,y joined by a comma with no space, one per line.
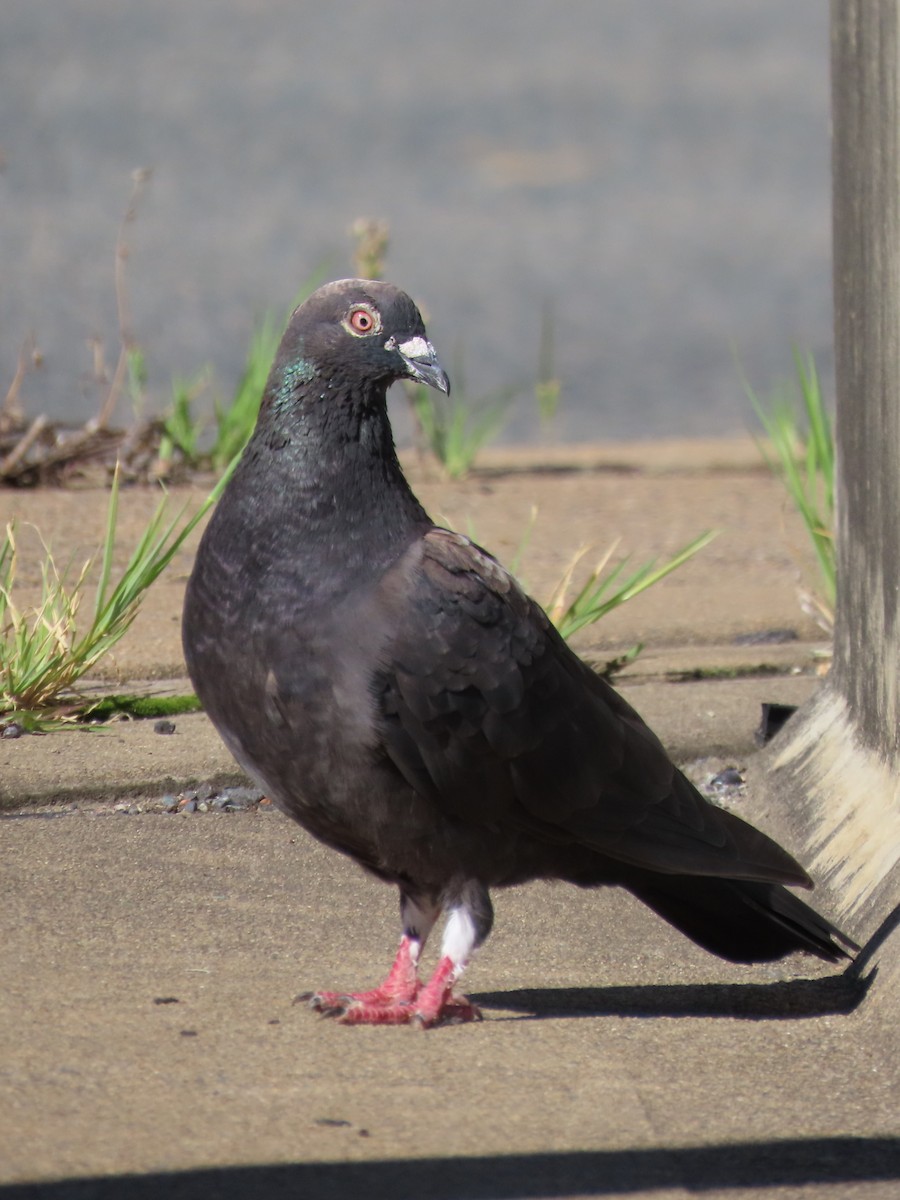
206,798
242,797
728,778
164,727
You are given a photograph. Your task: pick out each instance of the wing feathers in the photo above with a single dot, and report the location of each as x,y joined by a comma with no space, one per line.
488,713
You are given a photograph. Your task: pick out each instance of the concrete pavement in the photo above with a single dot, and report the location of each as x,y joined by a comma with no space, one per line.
149,1045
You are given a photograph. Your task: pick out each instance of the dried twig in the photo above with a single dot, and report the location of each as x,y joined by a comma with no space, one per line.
126,335
12,460
12,415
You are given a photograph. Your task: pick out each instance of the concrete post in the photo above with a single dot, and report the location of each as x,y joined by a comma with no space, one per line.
832,789
866,197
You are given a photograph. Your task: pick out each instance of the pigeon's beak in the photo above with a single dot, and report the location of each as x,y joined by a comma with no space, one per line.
422,363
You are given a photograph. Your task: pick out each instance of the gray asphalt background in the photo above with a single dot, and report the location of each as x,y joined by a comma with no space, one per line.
655,171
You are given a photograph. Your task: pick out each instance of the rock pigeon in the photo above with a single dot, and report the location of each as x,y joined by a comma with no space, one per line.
391,687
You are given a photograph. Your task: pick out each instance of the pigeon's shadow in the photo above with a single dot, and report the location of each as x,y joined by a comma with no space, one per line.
779,1000
783,1000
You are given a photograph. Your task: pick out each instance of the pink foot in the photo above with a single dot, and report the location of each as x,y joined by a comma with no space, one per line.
433,1004
400,987
437,1004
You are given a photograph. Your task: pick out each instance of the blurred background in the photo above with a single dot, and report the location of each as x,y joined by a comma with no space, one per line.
645,180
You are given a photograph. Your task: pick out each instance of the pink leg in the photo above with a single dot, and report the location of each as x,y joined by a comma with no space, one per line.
402,999
434,1004
400,987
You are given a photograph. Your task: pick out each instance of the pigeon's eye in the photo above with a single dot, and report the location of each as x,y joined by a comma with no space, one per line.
362,319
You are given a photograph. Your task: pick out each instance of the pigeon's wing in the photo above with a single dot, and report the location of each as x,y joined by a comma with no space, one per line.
486,711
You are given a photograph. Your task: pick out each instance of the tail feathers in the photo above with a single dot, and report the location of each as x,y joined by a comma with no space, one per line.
743,921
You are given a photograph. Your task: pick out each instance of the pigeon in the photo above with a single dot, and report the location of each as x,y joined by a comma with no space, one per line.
391,687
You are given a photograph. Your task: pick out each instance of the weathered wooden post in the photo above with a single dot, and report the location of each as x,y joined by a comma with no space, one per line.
833,782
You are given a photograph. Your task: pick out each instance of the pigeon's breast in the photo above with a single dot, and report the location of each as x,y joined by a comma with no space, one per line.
288,685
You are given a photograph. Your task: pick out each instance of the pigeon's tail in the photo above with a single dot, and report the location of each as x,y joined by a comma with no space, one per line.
741,920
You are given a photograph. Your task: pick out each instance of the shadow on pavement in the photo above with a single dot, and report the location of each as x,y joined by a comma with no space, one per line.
780,1000
796,1162
870,950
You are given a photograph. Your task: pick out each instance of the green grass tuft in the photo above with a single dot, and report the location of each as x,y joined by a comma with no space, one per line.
454,429
801,433
142,707
604,590
46,649
548,385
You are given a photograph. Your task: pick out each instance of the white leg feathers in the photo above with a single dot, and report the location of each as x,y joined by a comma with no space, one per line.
460,939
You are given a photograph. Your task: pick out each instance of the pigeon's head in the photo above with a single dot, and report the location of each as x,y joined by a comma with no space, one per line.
361,332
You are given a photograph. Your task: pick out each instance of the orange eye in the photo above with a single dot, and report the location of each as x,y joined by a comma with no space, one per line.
361,320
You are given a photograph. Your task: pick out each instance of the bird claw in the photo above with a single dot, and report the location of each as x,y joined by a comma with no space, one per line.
401,1000
332,1010
357,1010
337,1004
457,1010
327,1004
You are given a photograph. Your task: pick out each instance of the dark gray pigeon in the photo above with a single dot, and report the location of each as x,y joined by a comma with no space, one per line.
390,686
